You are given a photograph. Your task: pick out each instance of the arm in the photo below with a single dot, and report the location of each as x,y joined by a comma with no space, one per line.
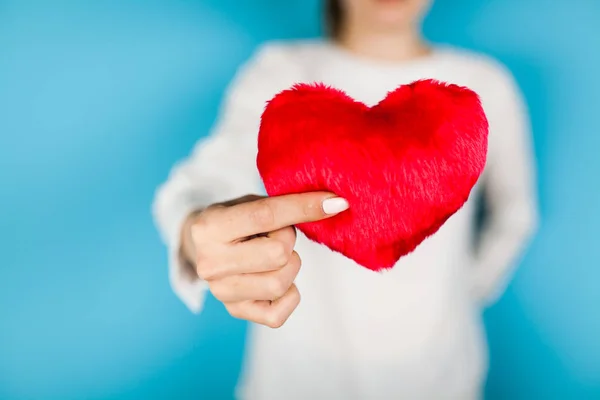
220,167
509,190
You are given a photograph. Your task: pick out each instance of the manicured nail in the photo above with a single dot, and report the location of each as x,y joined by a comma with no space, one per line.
334,205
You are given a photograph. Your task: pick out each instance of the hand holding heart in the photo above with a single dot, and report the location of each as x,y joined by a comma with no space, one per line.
244,250
403,167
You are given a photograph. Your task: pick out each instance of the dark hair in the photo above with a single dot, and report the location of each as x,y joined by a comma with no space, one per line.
333,18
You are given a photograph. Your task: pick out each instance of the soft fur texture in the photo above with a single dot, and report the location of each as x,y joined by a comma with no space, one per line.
405,165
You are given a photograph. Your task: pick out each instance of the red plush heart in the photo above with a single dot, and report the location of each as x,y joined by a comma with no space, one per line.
405,165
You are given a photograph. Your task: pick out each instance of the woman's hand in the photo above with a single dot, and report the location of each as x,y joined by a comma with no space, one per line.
244,250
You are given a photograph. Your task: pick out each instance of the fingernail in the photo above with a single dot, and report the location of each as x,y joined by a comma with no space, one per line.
334,205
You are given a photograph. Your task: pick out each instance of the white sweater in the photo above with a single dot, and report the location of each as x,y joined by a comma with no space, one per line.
414,332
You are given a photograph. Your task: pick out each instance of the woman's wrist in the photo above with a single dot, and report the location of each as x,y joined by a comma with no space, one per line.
187,249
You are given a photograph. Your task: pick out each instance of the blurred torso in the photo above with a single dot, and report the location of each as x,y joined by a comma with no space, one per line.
412,332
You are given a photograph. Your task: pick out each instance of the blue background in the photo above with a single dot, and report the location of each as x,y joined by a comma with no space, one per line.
98,99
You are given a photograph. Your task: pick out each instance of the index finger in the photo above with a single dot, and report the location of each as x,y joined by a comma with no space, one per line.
273,213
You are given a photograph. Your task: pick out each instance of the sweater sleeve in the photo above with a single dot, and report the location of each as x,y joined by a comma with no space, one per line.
509,190
220,167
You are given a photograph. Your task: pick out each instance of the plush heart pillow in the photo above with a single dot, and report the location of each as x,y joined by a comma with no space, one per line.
405,165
